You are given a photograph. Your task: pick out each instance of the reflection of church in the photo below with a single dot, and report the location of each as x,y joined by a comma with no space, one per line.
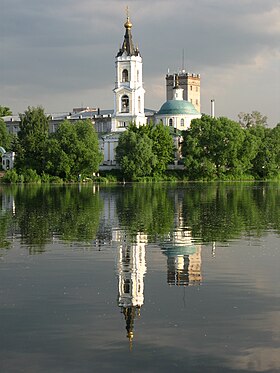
183,256
7,202
183,259
131,271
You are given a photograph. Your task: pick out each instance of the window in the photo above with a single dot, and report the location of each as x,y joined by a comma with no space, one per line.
125,104
125,75
122,124
139,104
137,75
170,122
196,102
191,87
182,122
126,286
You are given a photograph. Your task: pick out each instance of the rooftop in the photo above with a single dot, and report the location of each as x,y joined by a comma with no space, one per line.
177,107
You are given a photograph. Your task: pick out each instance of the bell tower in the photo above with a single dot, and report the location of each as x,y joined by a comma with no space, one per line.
128,91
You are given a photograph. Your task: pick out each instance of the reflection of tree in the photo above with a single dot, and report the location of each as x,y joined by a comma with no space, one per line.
5,221
146,208
211,212
6,209
218,212
44,212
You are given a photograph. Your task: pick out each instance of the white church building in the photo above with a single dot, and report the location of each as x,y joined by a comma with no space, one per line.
129,98
182,105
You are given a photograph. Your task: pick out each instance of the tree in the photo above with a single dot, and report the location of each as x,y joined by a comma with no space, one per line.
32,140
74,150
163,147
135,155
254,119
156,145
266,164
5,137
5,111
213,149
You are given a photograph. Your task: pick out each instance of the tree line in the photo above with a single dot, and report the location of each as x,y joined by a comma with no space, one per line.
211,149
70,153
219,148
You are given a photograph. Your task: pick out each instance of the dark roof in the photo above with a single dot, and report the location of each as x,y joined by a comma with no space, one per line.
128,46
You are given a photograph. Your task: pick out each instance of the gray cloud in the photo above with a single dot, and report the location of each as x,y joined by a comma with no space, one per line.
59,48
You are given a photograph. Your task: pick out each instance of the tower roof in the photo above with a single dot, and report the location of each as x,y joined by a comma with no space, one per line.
127,45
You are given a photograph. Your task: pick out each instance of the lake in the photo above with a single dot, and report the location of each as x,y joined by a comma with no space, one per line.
140,278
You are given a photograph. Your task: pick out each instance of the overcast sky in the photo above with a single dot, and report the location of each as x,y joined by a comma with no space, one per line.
61,53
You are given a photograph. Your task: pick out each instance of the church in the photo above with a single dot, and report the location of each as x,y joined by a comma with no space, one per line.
177,112
182,105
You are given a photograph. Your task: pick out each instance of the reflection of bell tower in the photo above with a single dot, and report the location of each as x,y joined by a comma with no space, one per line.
128,91
131,271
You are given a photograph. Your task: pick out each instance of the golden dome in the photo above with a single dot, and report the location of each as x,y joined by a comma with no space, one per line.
128,24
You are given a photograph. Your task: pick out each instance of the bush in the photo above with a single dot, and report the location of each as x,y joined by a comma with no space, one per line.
100,179
31,176
55,180
10,176
45,178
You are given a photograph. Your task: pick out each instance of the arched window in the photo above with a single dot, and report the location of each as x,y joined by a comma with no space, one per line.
170,122
182,122
125,75
137,75
125,104
139,104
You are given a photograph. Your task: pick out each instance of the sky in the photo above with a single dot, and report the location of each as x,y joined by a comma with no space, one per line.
60,54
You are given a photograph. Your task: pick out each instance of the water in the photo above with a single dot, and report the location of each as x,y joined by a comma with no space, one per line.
140,278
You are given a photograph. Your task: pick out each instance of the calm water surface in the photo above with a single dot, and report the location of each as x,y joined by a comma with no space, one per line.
140,278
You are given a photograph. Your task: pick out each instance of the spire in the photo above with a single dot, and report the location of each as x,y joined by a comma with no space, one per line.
129,314
127,45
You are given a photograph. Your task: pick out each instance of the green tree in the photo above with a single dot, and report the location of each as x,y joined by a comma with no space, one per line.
135,155
163,147
74,150
253,119
213,149
5,111
32,140
145,151
266,164
5,137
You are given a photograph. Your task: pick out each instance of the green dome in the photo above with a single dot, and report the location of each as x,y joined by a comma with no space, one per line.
177,107
172,250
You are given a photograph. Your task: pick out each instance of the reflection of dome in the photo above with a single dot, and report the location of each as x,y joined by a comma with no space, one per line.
177,107
170,249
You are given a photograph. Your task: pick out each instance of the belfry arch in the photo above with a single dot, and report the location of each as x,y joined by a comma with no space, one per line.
125,104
